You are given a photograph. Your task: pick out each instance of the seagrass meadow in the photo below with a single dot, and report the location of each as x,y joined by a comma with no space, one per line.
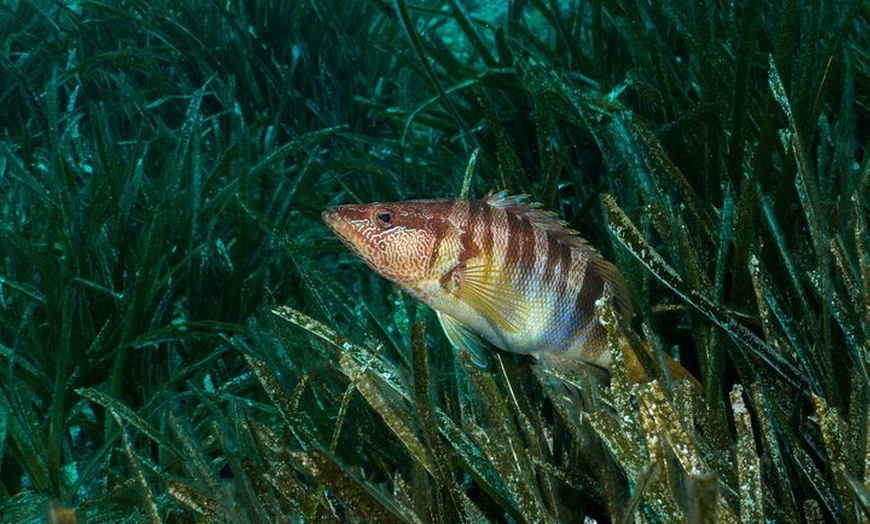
183,340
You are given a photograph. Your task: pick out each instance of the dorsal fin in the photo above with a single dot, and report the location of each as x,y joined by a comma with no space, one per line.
546,220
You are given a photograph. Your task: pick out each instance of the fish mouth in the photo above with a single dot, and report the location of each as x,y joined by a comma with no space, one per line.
330,217
337,222
344,221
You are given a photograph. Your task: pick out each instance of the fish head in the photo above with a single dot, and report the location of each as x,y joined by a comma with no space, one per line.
397,240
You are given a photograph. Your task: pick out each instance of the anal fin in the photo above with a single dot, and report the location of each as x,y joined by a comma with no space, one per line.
463,338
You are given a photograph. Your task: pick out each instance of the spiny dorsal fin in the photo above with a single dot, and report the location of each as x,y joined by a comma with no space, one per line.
546,220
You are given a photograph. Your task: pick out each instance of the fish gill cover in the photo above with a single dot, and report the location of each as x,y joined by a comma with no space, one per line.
182,340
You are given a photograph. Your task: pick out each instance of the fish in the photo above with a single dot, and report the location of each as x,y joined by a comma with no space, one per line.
498,270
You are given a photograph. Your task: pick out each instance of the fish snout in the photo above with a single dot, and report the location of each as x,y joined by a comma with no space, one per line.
327,216
331,217
342,216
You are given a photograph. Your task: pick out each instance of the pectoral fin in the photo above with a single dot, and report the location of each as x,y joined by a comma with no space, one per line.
463,338
486,288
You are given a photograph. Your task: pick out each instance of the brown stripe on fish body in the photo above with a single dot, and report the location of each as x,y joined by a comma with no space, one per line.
558,263
473,224
513,245
455,228
588,288
459,212
469,241
520,246
460,215
528,252
488,231
442,231
441,234
566,265
480,214
500,235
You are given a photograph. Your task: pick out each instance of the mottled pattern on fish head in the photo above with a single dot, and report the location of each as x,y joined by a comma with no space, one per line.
397,240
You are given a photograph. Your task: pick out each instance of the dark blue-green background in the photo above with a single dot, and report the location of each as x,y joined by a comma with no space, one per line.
163,166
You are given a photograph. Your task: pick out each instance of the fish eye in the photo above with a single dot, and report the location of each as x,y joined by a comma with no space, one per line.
384,217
